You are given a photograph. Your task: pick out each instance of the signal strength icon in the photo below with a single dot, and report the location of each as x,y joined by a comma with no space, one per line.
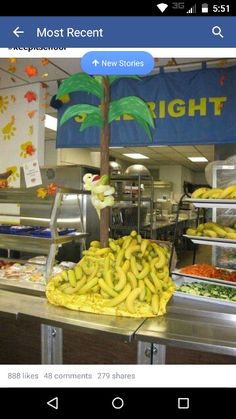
162,7
193,10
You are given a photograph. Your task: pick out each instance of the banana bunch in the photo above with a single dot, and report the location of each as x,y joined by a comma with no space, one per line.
213,230
215,193
129,278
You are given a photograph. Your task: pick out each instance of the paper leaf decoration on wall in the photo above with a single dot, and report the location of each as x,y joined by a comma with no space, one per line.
27,149
31,71
30,96
11,68
3,103
44,61
31,113
9,129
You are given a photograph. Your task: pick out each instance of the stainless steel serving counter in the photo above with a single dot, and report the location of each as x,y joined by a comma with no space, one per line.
25,305
189,324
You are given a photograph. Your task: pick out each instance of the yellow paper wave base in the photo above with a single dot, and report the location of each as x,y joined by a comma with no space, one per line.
94,303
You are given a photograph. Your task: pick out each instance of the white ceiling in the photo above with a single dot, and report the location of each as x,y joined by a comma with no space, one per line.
13,74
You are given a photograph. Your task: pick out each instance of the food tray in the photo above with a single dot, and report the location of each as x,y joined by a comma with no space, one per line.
212,241
47,232
178,273
181,280
212,203
20,230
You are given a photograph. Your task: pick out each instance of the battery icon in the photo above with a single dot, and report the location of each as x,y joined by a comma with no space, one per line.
204,8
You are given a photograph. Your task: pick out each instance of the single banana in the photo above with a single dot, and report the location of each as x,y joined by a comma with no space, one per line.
119,298
227,191
107,263
108,278
161,274
231,236
106,288
103,251
133,295
209,233
144,245
64,275
120,256
95,243
161,262
191,231
132,279
113,246
156,282
134,268
88,286
229,229
198,193
122,279
94,272
78,272
126,266
148,295
155,304
150,285
57,279
73,290
143,290
95,289
131,249
144,272
139,239
127,242
72,278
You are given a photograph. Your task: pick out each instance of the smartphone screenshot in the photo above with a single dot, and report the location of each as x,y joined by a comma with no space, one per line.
118,211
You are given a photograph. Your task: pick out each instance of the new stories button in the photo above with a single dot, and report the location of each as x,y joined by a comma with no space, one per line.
117,62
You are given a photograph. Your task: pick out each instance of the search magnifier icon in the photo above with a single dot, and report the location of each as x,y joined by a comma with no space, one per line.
216,30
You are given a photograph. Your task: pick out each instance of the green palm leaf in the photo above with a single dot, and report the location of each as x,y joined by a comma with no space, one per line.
133,106
80,82
92,120
145,127
76,110
113,79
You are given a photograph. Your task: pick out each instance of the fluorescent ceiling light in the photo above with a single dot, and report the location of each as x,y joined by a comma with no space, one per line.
136,156
115,147
198,159
50,122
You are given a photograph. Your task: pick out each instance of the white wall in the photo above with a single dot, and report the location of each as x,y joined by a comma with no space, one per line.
78,156
50,158
199,177
172,174
177,175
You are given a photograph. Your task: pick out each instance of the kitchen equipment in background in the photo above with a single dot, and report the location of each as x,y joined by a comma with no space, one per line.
137,169
115,168
70,176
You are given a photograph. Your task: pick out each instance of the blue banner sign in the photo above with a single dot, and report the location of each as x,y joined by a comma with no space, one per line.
194,107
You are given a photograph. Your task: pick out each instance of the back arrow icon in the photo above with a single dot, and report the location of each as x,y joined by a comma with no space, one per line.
17,32
53,403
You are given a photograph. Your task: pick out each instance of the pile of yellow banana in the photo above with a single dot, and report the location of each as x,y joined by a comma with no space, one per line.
215,193
213,230
128,278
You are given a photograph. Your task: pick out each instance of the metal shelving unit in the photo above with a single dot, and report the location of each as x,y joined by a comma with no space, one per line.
134,196
51,212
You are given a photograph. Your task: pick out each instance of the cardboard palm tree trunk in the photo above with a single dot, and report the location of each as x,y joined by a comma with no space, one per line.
104,159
